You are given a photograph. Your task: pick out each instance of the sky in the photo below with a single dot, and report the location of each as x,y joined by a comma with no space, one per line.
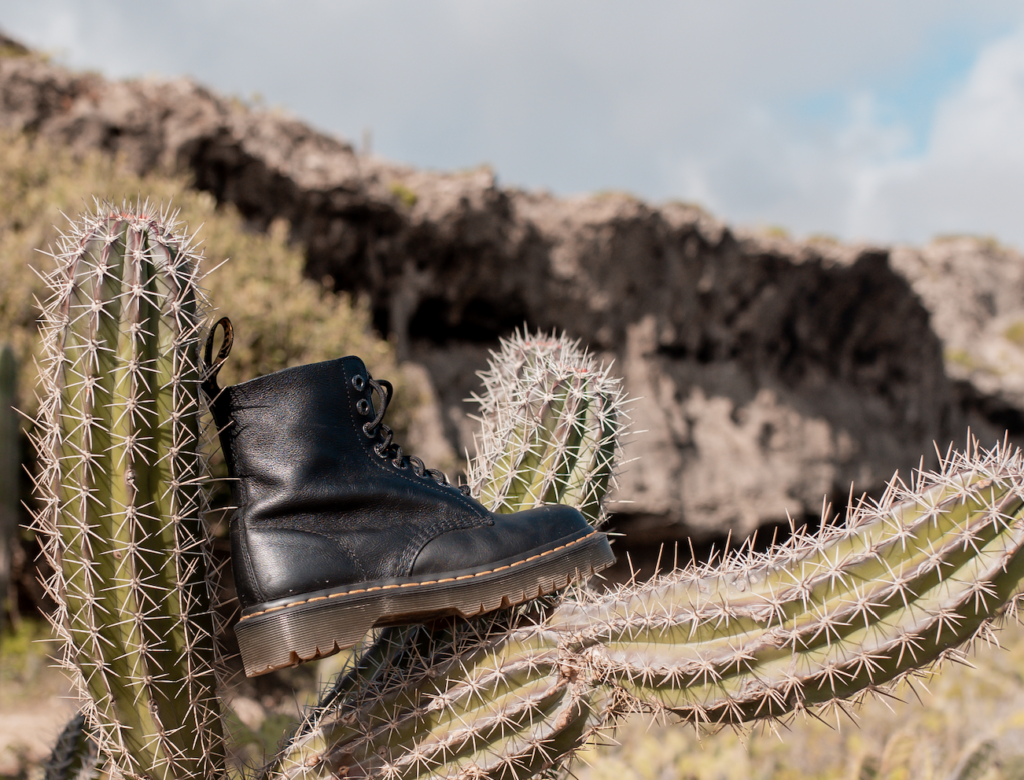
880,120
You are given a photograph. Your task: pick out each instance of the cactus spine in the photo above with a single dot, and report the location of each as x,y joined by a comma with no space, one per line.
10,461
121,490
552,422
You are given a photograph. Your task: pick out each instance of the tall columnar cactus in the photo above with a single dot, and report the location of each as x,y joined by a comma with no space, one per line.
10,468
122,492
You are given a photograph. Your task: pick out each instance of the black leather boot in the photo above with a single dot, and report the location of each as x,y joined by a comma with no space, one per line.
337,531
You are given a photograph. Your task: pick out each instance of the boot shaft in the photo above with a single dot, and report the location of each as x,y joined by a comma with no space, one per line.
315,490
296,444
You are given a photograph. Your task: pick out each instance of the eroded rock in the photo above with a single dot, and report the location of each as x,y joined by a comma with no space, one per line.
767,373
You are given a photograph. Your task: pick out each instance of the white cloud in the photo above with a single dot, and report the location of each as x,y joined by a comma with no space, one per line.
666,99
867,177
767,169
970,177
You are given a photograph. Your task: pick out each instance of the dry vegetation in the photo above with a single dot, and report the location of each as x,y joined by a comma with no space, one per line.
281,318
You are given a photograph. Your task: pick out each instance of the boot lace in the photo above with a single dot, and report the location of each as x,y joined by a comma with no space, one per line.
387,448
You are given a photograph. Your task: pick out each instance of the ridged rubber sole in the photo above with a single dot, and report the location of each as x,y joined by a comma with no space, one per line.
288,632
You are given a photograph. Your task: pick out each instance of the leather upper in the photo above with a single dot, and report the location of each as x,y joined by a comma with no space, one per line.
319,507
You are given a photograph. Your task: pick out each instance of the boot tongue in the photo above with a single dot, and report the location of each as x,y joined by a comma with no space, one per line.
368,388
355,365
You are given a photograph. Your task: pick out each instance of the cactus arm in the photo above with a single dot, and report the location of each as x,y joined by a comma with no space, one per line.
716,650
822,621
473,696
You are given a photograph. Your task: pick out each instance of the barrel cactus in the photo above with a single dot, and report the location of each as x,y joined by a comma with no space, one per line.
816,622
122,492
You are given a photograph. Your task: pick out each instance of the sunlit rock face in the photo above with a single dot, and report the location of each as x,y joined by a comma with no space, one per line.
767,373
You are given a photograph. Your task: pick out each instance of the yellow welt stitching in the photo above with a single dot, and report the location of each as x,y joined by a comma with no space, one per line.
417,584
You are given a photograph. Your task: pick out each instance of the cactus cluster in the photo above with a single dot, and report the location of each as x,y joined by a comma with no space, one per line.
121,492
813,624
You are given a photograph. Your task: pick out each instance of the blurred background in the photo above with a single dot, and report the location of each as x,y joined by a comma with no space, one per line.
794,228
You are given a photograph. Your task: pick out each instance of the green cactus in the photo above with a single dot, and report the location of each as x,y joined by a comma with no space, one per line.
552,422
122,492
10,459
815,623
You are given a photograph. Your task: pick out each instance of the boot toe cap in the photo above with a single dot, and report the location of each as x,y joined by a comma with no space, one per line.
511,537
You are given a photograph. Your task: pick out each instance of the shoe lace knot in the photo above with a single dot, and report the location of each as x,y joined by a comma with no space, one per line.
386,447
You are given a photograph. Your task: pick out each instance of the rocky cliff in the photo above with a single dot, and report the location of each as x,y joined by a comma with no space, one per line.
767,373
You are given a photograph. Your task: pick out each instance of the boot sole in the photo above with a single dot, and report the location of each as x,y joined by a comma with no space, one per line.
288,632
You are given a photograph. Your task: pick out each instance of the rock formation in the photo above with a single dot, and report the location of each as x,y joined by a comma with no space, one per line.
767,373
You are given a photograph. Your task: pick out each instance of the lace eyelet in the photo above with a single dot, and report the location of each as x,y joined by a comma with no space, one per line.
358,382
400,465
367,430
363,407
380,452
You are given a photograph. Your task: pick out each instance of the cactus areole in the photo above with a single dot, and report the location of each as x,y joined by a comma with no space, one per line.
122,492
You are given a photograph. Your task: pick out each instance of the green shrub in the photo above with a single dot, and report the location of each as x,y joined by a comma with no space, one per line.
281,318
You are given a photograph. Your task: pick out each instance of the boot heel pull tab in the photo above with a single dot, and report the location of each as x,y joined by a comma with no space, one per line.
210,386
